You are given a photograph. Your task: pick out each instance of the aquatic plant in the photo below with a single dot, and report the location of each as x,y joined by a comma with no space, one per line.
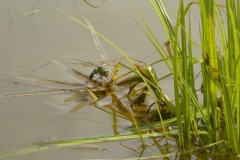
219,51
210,127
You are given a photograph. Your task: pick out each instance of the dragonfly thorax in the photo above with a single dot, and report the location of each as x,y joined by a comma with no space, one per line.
101,71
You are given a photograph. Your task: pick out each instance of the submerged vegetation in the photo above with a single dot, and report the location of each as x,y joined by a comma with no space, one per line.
208,128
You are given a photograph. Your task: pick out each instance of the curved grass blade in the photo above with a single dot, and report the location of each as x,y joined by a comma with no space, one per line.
89,148
41,146
94,5
97,41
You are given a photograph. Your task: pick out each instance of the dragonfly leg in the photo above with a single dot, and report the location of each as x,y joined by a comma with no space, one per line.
100,76
91,75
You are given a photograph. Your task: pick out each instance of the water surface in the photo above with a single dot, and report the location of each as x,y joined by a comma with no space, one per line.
29,40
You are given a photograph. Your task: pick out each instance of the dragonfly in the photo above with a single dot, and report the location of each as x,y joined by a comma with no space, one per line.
100,69
51,86
35,78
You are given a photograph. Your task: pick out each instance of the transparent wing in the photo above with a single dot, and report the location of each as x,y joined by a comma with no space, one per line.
48,82
110,62
84,63
99,64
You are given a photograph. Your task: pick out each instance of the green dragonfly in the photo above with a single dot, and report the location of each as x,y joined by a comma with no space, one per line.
100,69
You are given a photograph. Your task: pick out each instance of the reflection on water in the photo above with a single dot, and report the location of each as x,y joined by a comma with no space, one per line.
95,3
89,149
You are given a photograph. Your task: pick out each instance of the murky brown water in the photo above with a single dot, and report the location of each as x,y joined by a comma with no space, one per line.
30,40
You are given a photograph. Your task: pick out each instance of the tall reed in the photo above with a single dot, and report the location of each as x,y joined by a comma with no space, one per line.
220,70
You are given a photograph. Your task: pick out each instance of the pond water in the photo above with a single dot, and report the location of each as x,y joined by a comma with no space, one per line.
31,39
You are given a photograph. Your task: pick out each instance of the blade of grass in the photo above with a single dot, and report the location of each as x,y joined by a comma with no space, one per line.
41,146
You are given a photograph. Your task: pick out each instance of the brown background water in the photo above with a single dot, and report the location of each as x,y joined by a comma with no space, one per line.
28,41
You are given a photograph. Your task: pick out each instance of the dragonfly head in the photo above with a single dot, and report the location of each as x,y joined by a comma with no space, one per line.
105,73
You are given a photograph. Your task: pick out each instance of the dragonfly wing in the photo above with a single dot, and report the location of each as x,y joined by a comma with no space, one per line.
109,62
62,83
85,63
28,82
86,77
78,107
81,95
100,63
